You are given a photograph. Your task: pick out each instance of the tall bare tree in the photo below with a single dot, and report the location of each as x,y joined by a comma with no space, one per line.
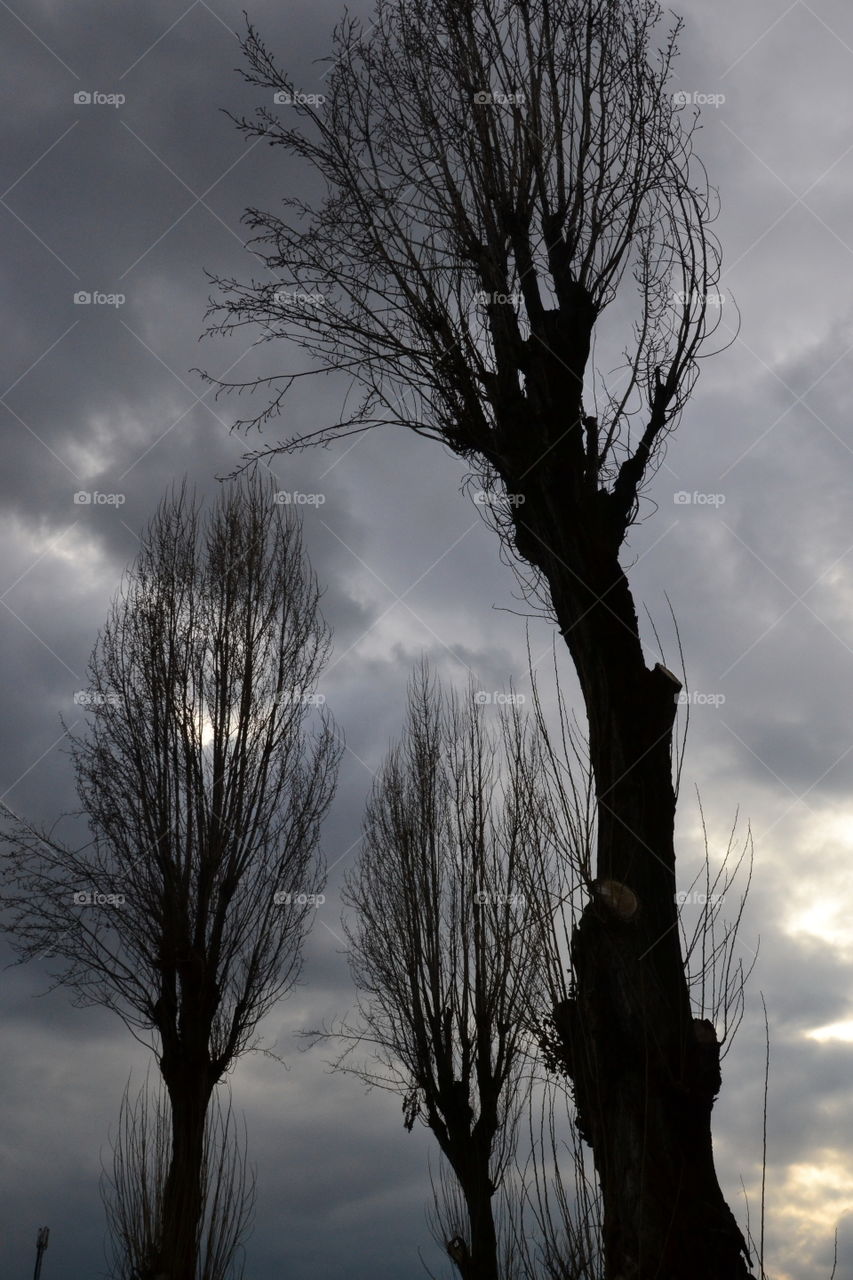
133,1189
507,180
203,787
442,949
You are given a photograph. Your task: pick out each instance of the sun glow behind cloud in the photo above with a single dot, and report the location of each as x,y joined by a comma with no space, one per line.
833,1031
821,905
814,1197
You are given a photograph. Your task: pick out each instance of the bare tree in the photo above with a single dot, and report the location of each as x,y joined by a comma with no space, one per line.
133,1190
203,787
508,182
442,951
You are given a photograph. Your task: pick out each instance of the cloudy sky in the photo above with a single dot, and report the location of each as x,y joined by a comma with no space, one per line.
137,200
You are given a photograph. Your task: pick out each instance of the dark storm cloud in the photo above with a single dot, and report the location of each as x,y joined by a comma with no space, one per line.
138,200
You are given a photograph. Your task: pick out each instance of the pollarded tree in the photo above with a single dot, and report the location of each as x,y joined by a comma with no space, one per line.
507,181
204,788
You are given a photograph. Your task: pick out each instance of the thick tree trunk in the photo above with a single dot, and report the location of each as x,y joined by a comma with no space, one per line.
183,1198
645,1074
483,1264
469,1153
477,1260
190,1076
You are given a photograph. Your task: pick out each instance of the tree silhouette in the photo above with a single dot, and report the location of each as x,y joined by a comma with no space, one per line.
508,186
441,946
203,789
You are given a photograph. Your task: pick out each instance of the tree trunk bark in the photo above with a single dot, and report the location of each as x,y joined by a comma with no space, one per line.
477,1258
183,1196
484,1242
645,1074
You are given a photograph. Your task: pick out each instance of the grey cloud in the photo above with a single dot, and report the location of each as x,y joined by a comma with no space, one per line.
117,409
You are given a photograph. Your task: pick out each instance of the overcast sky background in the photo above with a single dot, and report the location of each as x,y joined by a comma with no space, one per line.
139,200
